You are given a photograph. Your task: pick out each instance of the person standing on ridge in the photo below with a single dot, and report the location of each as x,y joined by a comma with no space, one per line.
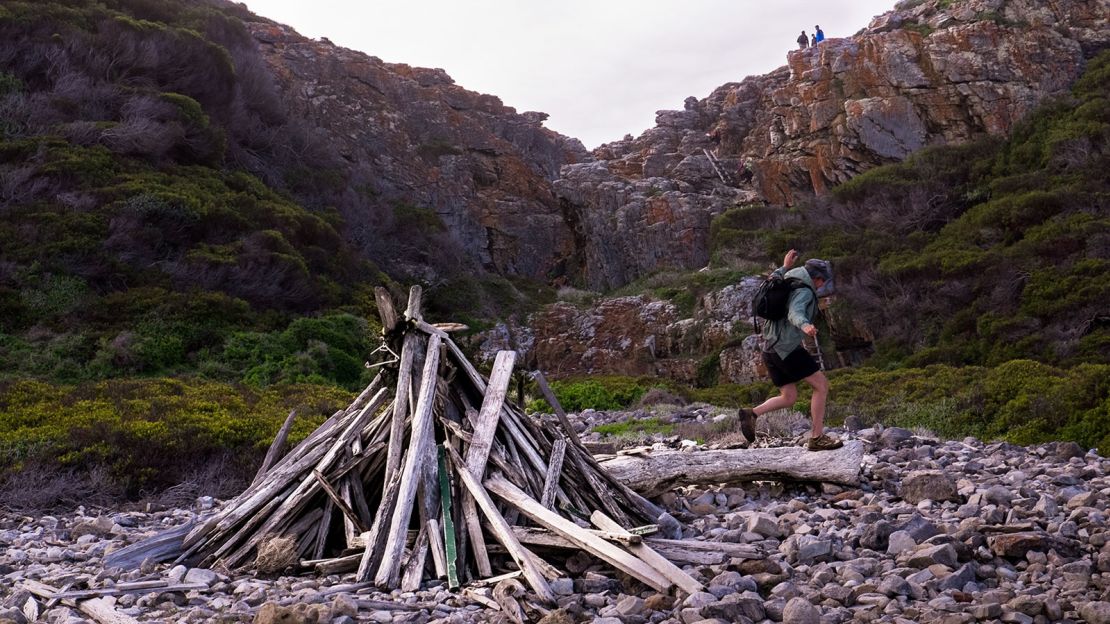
786,358
813,41
803,41
819,35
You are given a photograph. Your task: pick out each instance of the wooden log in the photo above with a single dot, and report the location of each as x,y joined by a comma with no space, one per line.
274,453
412,310
501,529
386,310
338,565
583,539
554,472
144,587
389,570
684,581
659,471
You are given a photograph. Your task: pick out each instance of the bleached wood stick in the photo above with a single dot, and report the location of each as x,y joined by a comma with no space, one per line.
98,609
401,405
554,472
274,453
421,438
348,513
583,539
501,529
674,573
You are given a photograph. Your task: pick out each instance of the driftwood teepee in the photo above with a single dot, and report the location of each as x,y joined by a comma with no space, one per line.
407,470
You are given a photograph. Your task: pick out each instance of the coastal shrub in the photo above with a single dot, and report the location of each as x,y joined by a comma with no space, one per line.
599,393
150,433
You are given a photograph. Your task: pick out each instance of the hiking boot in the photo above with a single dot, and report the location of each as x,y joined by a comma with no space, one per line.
824,443
747,423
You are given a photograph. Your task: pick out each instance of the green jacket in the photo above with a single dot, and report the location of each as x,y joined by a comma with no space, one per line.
785,335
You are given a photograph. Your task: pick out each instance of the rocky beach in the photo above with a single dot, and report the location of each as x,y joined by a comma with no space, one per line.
946,531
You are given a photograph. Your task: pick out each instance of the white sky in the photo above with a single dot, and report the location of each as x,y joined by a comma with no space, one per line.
600,68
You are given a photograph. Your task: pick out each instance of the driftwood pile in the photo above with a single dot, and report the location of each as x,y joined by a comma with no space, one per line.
397,487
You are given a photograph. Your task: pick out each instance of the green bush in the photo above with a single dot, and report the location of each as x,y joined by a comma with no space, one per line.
150,433
599,393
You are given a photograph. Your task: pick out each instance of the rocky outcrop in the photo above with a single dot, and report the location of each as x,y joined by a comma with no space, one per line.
409,139
932,72
639,335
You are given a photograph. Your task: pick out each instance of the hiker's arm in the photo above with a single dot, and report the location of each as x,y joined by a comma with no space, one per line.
799,306
787,262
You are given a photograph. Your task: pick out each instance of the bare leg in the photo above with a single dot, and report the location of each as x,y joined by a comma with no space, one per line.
820,385
788,394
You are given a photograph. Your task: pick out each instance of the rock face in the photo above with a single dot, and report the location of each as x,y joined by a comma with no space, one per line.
409,139
639,335
933,73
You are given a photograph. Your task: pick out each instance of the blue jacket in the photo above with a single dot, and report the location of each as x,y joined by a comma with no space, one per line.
783,336
820,34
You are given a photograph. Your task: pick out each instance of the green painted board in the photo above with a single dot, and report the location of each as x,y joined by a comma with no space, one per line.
448,522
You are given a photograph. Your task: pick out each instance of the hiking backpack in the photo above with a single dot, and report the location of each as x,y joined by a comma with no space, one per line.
771,301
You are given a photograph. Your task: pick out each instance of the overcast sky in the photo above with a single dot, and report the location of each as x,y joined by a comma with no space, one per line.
600,68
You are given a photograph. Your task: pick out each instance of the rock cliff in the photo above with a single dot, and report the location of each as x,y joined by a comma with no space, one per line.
410,139
933,72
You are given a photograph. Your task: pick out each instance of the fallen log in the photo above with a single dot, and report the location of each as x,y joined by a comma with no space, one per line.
657,472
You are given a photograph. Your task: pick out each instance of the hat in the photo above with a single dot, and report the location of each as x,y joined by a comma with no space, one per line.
822,269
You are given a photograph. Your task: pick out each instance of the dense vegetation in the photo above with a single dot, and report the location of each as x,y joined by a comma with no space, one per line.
975,254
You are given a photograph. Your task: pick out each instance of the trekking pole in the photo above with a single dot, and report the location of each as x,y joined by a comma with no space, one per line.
820,359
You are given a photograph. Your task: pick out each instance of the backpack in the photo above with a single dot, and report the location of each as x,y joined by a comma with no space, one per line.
771,301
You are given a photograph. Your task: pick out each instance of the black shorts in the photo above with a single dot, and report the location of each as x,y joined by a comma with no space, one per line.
794,368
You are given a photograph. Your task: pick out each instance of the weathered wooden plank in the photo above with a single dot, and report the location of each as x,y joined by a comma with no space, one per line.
692,552
323,529
556,407
413,571
435,545
684,581
386,311
595,545
554,472
388,571
276,447
490,413
413,309
401,405
501,529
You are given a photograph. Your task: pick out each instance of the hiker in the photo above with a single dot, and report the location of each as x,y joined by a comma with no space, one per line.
819,36
803,40
786,358
746,171
813,41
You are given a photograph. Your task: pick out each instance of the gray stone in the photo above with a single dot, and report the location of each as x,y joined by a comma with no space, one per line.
933,485
926,556
764,524
998,495
1095,612
900,542
800,611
